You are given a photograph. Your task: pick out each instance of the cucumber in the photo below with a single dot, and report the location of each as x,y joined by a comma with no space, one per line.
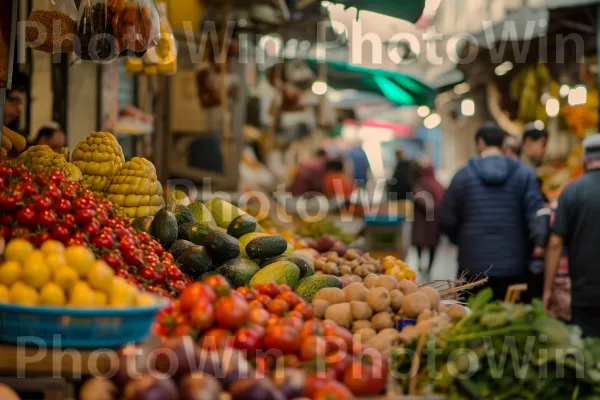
281,272
305,266
242,225
309,286
266,247
238,271
197,233
247,238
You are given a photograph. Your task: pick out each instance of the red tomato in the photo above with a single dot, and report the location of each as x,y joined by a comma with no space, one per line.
333,391
103,241
291,298
219,284
254,304
295,314
285,288
47,219
291,361
259,329
57,177
314,383
366,379
278,307
337,363
306,310
4,232
282,338
232,312
8,202
174,273
54,192
339,337
113,260
247,340
313,347
42,204
61,233
249,294
215,339
69,221
26,216
270,289
179,285
294,322
194,294
313,327
38,240
84,217
132,255
29,190
5,171
264,299
259,316
202,316
148,274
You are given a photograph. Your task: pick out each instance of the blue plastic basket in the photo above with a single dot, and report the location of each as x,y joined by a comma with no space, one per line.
404,322
76,327
384,219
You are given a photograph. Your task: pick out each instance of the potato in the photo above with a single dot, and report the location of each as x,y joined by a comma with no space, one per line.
331,295
424,316
360,310
356,278
332,256
340,314
345,270
370,281
320,306
358,325
386,281
414,304
434,296
425,327
456,312
389,332
365,334
408,334
442,308
381,342
378,299
407,287
356,292
382,321
397,299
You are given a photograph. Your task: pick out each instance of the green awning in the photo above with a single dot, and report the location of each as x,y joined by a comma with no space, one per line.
409,10
397,88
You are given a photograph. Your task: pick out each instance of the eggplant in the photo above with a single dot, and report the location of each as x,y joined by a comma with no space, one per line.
255,389
96,389
291,382
199,386
151,387
177,357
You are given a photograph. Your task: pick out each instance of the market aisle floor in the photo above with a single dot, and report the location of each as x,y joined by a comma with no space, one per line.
445,265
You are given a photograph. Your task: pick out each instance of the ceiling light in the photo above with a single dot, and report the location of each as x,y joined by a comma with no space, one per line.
432,121
319,88
577,96
503,68
467,107
539,125
564,91
552,107
423,111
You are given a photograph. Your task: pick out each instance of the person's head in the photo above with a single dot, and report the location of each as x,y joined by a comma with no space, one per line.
336,165
52,136
321,154
399,155
15,98
534,143
591,151
489,136
512,147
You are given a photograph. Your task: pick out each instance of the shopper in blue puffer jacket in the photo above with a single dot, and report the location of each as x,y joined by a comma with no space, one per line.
490,210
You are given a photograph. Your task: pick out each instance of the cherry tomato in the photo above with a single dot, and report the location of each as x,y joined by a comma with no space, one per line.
25,177
285,288
5,171
179,285
270,289
314,383
333,391
152,260
161,273
69,221
102,215
232,312
194,294
166,256
366,378
61,233
113,260
2,184
264,299
278,307
132,255
306,310
53,192
38,240
143,236
84,217
123,273
313,347
219,284
68,194
148,273
47,219
337,363
282,338
249,294
247,340
174,273
29,190
103,241
42,204
76,242
93,228
26,216
8,202
112,222
202,316
158,249
291,298
4,232
339,337
121,231
57,177
20,232
215,339
259,316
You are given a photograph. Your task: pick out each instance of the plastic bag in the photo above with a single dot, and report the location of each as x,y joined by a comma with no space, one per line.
51,26
95,32
136,24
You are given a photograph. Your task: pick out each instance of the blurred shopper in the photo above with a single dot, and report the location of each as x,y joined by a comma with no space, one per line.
533,150
52,136
310,175
14,101
489,211
360,164
512,147
577,225
336,182
401,184
428,194
560,298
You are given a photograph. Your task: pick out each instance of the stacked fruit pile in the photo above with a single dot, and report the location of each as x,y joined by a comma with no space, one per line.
273,327
39,207
137,189
55,276
43,159
99,158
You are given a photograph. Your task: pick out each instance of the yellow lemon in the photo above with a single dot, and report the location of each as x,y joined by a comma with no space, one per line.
101,276
65,277
24,295
17,250
100,298
52,246
52,295
55,260
4,294
80,258
81,295
409,273
145,300
122,294
35,272
10,272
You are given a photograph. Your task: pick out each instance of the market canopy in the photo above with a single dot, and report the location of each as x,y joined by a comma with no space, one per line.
397,88
409,10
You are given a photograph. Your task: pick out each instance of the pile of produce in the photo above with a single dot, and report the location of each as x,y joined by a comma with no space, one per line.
354,266
316,230
43,159
274,329
99,158
55,276
39,207
136,188
372,309
507,351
